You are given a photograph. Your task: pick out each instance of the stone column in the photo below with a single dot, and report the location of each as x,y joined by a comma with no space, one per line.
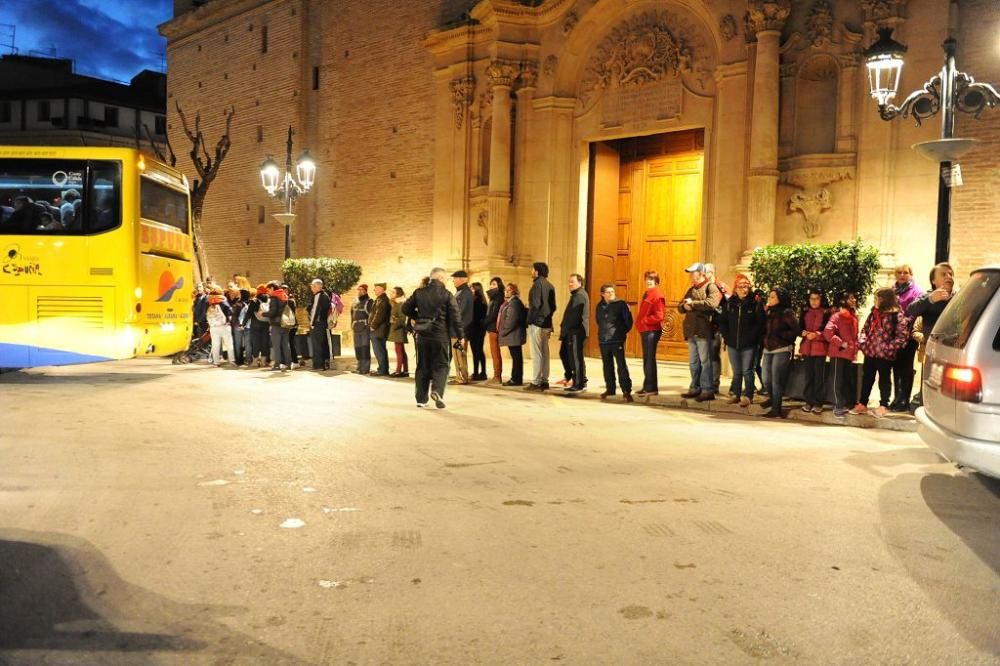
765,18
501,76
525,96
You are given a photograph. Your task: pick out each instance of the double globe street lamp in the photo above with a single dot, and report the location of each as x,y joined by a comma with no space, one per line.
288,187
947,92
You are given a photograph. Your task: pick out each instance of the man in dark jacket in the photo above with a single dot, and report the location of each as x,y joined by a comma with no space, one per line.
929,308
319,310
573,332
378,325
436,321
200,308
281,350
464,298
700,306
614,321
360,311
741,323
541,307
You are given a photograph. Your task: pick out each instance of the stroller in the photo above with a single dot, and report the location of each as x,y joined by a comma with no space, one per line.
199,350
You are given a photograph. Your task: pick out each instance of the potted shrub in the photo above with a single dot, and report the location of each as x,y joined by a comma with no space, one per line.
834,268
338,275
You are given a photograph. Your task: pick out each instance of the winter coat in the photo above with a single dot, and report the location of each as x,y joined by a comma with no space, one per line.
652,309
322,310
434,306
360,310
397,324
478,325
742,322
576,317
841,332
908,294
200,308
276,305
700,321
931,312
378,320
464,298
614,321
256,305
512,323
813,320
781,328
219,315
493,311
238,308
541,303
884,334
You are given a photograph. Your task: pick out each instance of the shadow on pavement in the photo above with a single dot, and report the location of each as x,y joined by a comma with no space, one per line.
953,577
59,596
83,378
875,462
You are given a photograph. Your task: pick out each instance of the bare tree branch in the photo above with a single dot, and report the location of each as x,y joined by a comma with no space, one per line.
152,141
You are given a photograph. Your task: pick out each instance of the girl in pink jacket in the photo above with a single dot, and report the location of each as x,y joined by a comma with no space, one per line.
841,334
885,332
812,349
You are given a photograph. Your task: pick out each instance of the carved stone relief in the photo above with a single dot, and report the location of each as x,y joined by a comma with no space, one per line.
819,25
461,97
528,78
813,178
549,68
811,205
727,27
882,11
646,49
502,72
482,221
570,22
767,14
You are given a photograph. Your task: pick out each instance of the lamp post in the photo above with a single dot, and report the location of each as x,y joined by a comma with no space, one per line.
287,188
947,92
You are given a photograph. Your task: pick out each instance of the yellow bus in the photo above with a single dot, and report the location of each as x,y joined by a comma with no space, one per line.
97,256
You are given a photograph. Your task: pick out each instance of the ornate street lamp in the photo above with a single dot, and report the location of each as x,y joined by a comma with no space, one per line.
947,92
289,187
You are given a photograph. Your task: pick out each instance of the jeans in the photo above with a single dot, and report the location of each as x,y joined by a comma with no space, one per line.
433,358
318,343
614,353
842,397
742,362
814,392
882,367
281,351
902,373
222,336
381,355
241,341
363,351
700,362
539,339
516,363
495,353
776,366
650,341
402,363
571,353
476,341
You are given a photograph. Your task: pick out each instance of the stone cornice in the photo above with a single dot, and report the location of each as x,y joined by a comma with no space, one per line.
206,16
515,13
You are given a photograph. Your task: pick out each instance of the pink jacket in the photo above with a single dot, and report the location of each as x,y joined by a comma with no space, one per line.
842,334
884,334
813,321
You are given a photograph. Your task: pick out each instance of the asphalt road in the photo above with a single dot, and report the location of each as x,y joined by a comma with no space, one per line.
152,514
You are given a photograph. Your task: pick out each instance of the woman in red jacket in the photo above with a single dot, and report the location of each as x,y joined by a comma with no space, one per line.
841,334
812,349
649,323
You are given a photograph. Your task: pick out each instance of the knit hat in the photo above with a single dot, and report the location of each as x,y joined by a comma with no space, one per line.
740,277
363,286
380,284
261,289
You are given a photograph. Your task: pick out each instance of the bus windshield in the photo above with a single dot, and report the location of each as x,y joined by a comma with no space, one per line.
59,197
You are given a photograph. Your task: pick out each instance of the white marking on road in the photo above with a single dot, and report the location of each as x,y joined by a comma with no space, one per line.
336,584
327,509
293,523
308,489
239,472
217,482
257,512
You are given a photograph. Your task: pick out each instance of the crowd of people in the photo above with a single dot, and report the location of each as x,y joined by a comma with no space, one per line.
760,332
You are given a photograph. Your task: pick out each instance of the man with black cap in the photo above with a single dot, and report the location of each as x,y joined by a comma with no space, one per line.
699,306
378,325
464,298
436,320
541,307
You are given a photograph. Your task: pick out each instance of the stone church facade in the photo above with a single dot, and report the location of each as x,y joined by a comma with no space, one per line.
606,137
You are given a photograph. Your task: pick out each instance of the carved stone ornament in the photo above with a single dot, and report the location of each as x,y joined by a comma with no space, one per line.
528,77
482,221
765,15
819,25
461,97
645,49
570,22
811,206
727,27
878,11
502,73
486,103
550,65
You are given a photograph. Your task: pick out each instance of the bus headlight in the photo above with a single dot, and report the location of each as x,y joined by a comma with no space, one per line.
138,293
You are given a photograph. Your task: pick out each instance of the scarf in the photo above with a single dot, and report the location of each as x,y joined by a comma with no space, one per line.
902,288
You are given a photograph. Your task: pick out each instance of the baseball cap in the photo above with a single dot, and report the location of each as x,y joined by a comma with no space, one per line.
695,267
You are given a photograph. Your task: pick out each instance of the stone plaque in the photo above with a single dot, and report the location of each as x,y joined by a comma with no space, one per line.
660,101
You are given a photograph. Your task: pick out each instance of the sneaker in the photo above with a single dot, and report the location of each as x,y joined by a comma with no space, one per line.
705,397
608,394
774,414
283,368
628,397
766,404
564,382
532,387
817,410
733,399
543,387
403,374
880,411
806,408
840,413
575,389
421,405
745,401
436,397
494,381
858,409
511,382
690,394
644,393
900,407
295,366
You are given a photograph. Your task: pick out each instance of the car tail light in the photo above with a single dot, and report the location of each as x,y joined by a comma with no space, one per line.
962,383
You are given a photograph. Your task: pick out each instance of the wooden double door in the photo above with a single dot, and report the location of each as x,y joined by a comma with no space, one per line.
646,214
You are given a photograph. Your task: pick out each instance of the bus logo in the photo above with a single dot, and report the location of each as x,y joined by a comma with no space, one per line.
168,286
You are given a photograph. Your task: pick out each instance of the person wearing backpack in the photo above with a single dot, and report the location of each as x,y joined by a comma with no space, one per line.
885,332
218,315
812,349
260,337
282,320
239,301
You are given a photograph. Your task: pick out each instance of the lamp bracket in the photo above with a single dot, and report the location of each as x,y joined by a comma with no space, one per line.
920,104
972,97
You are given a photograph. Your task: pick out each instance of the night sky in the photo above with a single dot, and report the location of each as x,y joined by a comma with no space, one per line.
111,39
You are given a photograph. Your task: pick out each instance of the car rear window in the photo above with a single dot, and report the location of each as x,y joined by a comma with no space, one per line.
959,319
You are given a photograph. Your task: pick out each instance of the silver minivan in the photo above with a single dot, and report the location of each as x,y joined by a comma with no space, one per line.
961,413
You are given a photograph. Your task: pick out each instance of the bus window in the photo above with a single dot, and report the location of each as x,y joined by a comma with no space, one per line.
163,204
105,209
42,196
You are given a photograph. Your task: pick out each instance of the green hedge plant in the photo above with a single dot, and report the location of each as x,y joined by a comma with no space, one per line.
833,268
336,274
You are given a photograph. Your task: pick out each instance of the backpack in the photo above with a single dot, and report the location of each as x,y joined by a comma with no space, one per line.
261,312
288,317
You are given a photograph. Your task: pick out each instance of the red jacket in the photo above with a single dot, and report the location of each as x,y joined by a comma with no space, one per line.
652,309
842,334
813,321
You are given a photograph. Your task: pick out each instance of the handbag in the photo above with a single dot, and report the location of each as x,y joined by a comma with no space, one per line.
288,317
